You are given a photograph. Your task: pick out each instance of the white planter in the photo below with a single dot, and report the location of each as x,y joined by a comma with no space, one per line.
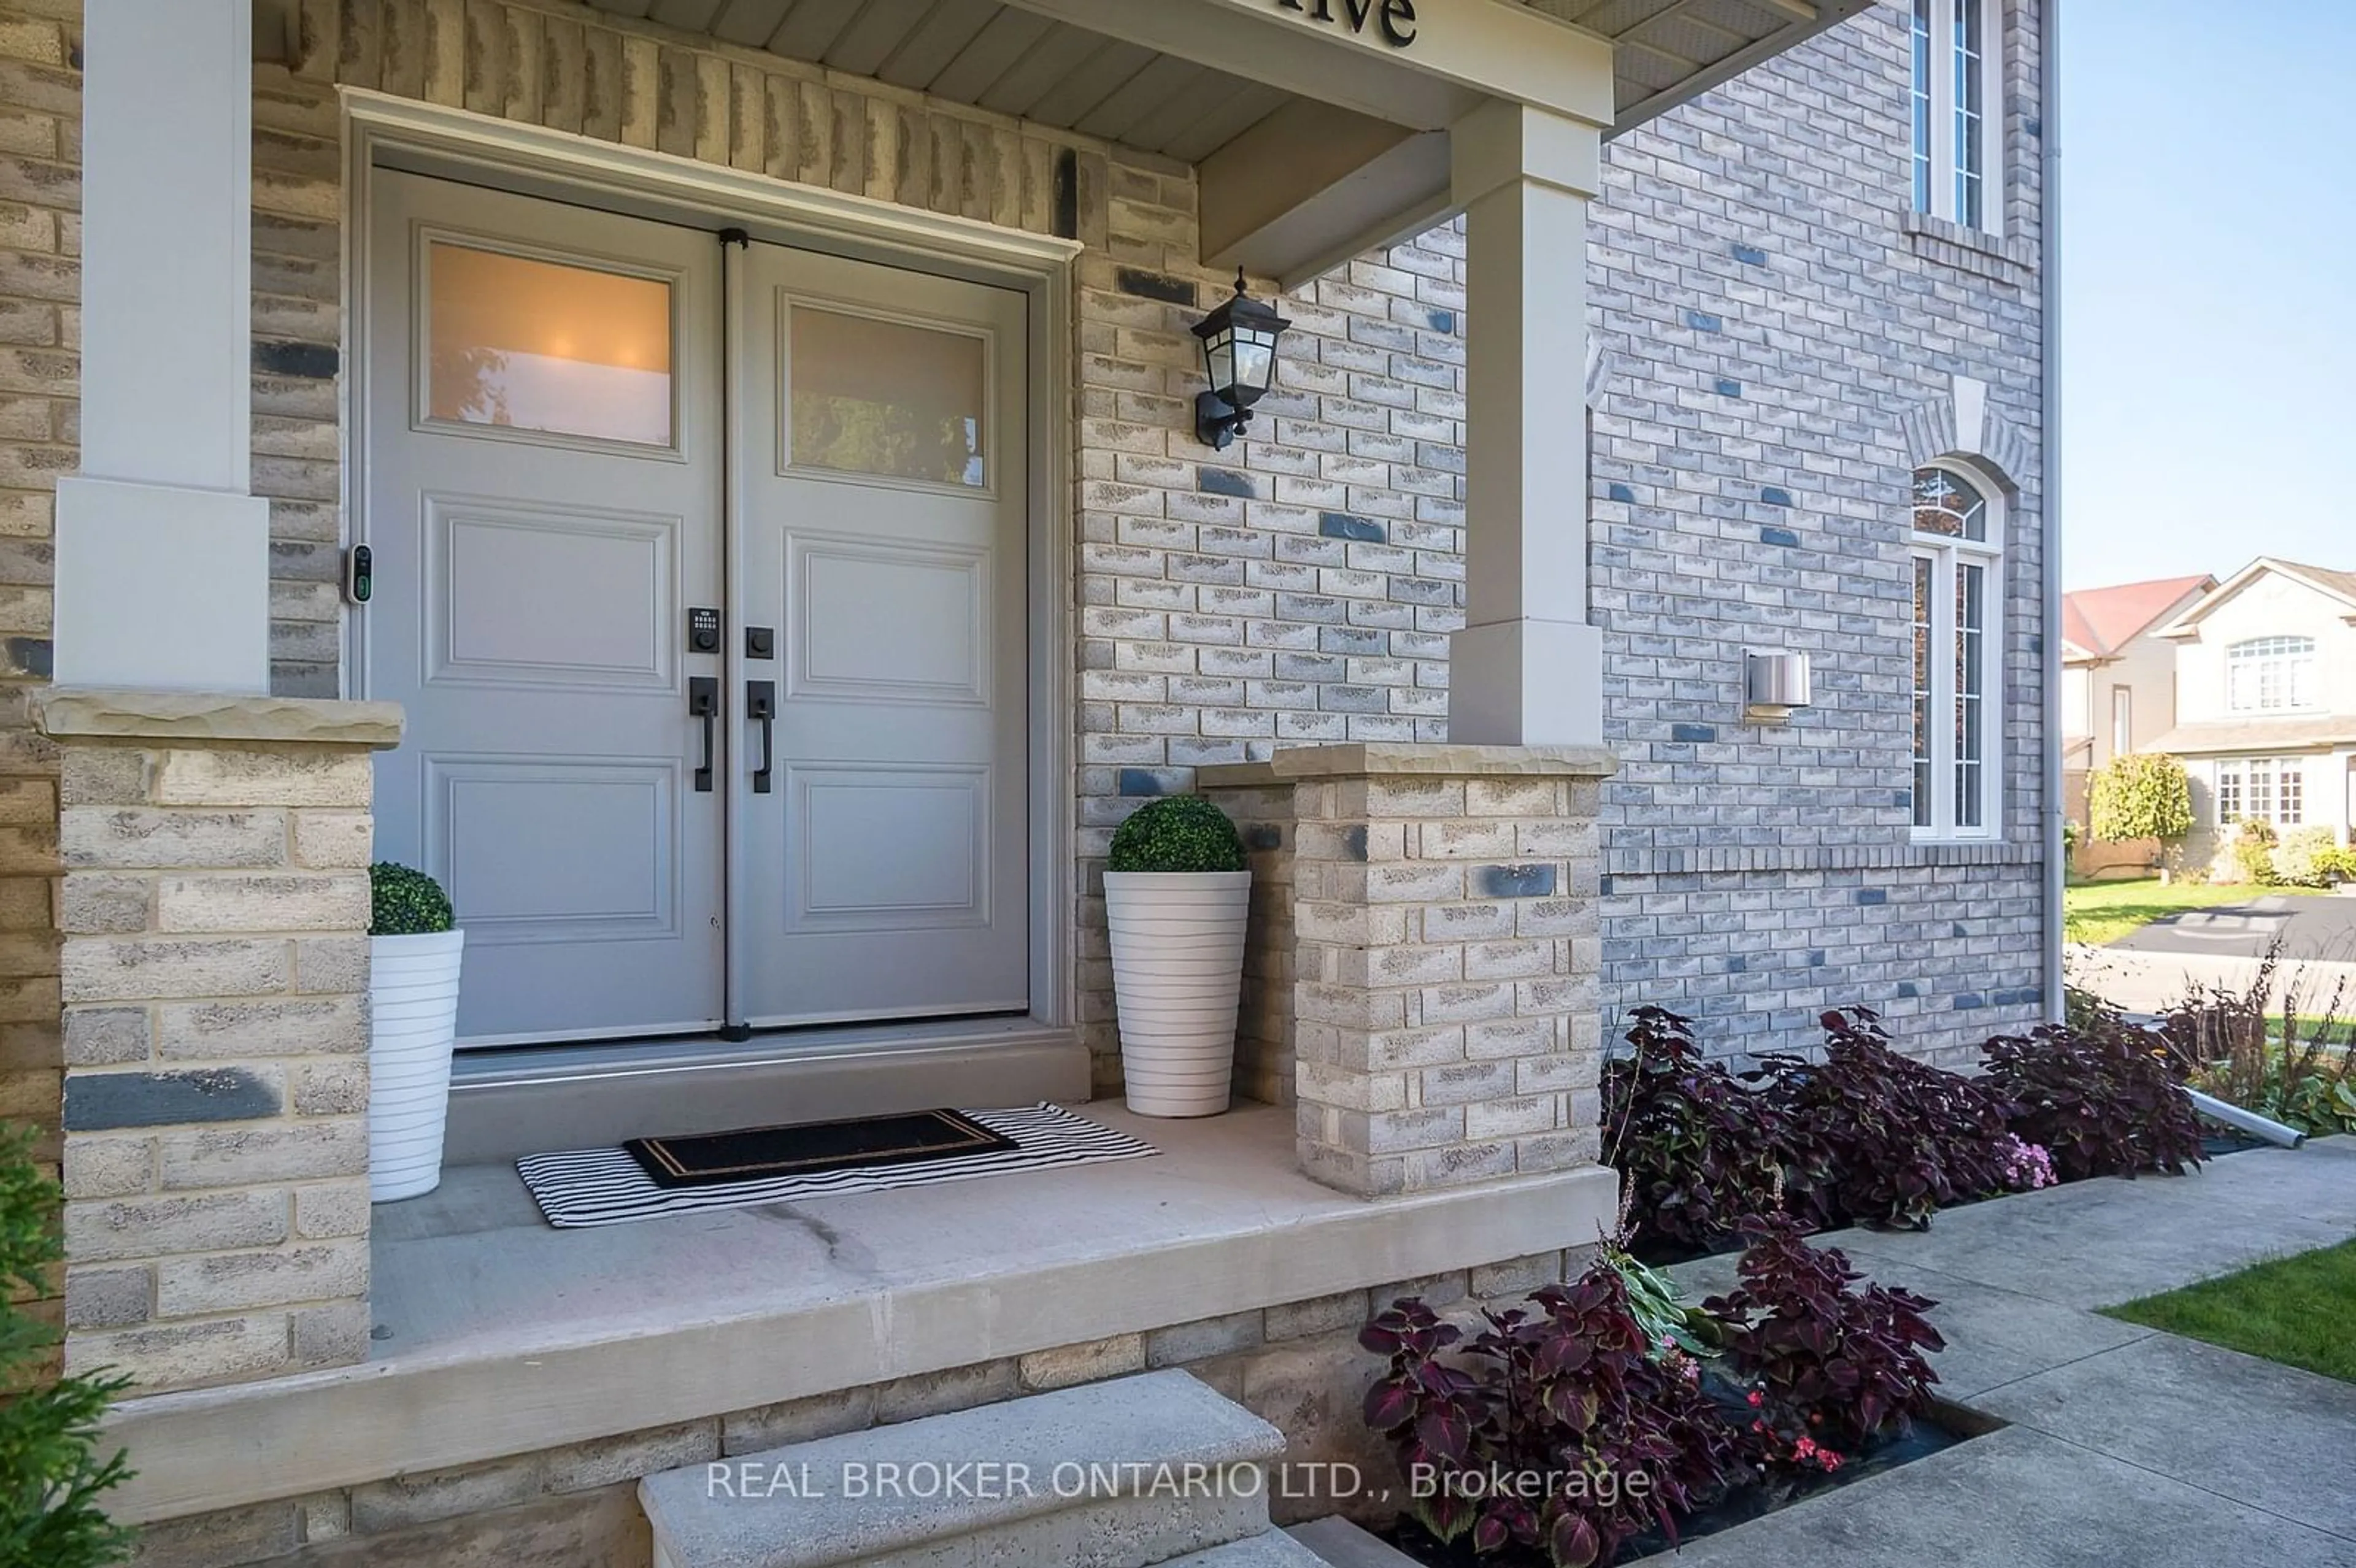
1178,975
412,1022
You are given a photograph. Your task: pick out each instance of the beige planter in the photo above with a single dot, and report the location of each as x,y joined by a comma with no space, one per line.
1178,975
412,1025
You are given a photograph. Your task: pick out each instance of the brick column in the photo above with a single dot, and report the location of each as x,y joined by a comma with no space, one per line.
1446,950
214,910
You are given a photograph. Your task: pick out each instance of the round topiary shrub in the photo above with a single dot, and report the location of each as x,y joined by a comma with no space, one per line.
406,902
1177,833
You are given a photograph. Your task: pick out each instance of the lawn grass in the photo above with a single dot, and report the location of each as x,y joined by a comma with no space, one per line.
2293,1310
2101,913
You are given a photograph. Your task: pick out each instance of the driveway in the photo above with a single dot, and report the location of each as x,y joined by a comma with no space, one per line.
2310,926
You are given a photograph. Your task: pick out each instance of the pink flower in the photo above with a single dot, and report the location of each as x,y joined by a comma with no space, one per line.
1804,1448
1828,1459
1757,1399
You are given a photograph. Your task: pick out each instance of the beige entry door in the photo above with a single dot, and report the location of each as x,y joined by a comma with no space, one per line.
546,435
880,867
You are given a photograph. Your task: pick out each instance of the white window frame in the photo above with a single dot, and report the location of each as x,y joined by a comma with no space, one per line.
2290,661
2121,720
1947,556
2272,790
1934,49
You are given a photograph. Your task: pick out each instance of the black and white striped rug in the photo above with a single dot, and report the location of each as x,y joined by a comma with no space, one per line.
591,1186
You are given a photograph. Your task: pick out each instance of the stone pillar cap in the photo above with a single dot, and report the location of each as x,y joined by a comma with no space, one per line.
206,718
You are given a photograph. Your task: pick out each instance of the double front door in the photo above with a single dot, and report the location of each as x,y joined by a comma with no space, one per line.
699,568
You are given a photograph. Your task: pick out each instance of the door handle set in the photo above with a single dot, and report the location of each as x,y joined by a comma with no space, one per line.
703,702
761,704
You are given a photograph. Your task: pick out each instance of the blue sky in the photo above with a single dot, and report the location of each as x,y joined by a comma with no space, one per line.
2209,286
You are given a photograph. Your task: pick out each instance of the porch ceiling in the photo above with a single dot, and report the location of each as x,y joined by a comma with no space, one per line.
1016,60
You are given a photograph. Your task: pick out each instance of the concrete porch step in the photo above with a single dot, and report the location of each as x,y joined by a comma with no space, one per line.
1126,1474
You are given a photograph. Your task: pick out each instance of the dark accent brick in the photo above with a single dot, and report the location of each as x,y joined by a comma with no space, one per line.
1815,958
1694,735
1139,781
1343,526
1783,537
1353,842
1223,482
2036,641
1957,931
1775,496
1751,255
1444,321
1908,988
33,657
1738,964
1514,881
1702,321
1872,895
1904,801
1622,493
310,361
96,1100
1605,886
1263,835
1066,221
1969,1001
1729,388
1155,286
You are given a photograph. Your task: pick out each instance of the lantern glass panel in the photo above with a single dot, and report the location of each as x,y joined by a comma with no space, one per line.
1219,361
1255,355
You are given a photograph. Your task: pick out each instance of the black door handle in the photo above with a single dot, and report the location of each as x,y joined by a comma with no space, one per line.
703,702
761,703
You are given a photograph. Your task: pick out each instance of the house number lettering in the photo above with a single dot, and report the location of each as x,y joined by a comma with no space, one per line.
1393,19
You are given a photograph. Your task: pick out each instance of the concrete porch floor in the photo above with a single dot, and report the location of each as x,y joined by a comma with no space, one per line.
497,1335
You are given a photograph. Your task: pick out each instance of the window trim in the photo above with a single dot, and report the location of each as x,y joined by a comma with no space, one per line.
2121,720
1934,54
1947,554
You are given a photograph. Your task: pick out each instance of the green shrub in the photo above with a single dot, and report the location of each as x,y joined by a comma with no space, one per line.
2299,859
2336,864
406,902
2253,852
1177,833
2140,795
50,1475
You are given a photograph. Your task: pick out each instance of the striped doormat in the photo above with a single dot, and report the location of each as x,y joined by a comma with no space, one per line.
586,1188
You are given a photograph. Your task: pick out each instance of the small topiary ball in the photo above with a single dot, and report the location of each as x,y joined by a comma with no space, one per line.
406,902
1177,833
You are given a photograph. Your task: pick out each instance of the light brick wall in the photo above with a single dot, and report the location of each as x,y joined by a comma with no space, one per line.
1445,945
215,910
1775,323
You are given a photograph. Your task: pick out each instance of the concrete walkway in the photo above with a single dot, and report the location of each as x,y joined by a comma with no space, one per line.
2124,1444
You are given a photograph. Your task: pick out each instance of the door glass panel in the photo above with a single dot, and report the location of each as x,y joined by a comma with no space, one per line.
541,346
887,397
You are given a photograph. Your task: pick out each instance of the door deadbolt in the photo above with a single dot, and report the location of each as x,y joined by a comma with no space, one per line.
703,631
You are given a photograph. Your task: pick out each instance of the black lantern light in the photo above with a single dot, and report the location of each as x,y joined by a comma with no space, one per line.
1239,357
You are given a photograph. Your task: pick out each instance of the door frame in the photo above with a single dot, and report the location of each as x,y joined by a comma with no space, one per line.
529,160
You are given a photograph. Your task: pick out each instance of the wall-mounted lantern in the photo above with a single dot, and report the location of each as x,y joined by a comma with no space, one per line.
1774,684
1239,356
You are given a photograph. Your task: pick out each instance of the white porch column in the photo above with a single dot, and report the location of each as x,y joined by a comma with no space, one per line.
1527,671
163,558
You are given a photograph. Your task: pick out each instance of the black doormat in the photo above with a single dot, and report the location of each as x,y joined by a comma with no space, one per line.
712,1159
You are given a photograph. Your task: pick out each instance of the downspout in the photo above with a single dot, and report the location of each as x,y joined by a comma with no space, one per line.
2049,73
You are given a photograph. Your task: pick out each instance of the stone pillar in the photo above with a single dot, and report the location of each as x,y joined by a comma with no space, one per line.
1527,668
1445,949
162,557
1263,814
215,910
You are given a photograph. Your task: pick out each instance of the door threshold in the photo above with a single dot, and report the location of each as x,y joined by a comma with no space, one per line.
523,1100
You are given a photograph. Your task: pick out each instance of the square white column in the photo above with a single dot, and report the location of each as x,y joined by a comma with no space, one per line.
162,557
1527,671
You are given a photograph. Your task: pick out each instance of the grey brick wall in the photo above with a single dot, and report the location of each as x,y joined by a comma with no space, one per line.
1774,321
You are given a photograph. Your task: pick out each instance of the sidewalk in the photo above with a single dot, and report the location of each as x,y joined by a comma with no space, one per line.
2148,982
2124,1444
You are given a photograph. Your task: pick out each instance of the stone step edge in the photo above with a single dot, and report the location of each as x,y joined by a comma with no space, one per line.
812,1505
1274,1550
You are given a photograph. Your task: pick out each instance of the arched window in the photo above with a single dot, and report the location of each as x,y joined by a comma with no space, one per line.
1957,561
2266,675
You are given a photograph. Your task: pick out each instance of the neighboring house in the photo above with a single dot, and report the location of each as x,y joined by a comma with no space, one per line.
774,424
2118,690
2266,682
